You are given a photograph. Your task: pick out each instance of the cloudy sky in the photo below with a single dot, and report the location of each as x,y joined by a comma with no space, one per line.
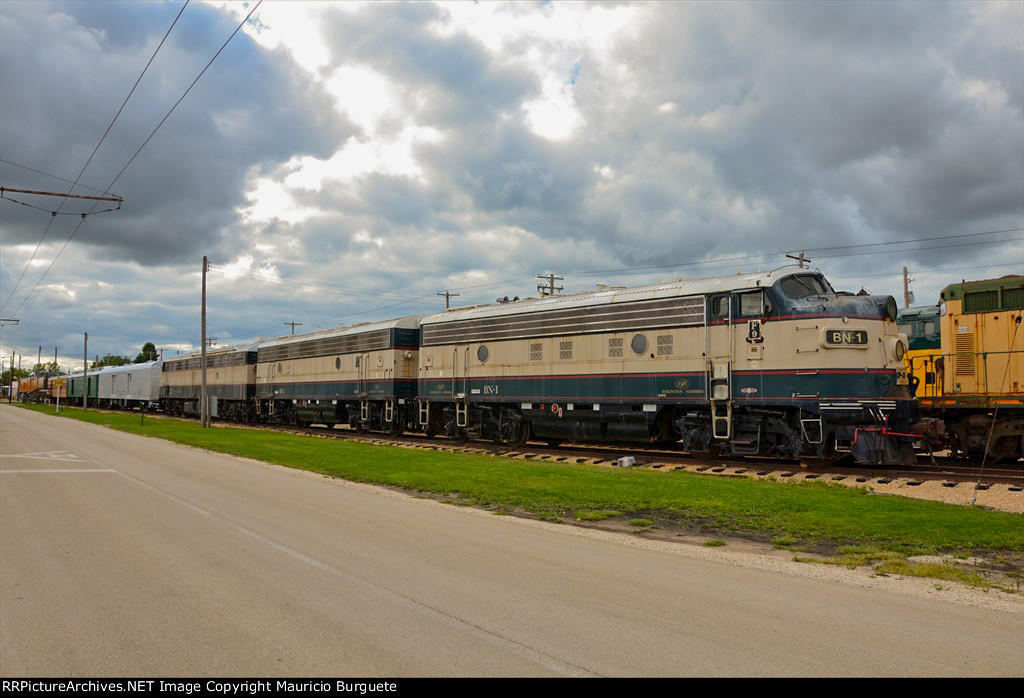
341,163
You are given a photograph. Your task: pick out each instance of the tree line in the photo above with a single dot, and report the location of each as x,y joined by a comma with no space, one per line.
148,353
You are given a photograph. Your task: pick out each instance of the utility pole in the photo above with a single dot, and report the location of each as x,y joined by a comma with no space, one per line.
448,297
85,374
10,388
908,295
39,357
55,359
204,419
293,324
549,289
801,260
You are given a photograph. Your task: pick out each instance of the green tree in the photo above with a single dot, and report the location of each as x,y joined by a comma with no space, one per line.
5,377
148,353
111,360
49,368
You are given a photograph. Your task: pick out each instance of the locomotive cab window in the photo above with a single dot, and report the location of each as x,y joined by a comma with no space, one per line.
750,304
805,285
720,308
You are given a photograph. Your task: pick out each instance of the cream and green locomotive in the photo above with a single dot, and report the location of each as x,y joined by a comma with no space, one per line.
363,376
230,382
767,364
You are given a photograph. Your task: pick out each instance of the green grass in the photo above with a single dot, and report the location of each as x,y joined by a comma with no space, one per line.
886,562
640,523
714,543
595,514
809,512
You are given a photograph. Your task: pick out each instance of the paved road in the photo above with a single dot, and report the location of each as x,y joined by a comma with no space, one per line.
122,555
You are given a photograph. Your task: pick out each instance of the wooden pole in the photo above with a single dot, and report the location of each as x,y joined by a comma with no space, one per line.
204,416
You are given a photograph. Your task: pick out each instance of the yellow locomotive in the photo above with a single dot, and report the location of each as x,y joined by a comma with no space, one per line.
971,377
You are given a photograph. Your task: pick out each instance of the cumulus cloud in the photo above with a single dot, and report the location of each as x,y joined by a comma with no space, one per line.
345,162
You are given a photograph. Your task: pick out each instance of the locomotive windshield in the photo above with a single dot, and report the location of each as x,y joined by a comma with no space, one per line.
805,285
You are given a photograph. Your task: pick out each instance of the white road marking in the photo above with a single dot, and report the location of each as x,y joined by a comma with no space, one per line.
58,470
67,456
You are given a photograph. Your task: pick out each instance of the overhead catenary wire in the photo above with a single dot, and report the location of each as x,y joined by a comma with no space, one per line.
136,154
1018,265
278,281
47,174
82,172
766,255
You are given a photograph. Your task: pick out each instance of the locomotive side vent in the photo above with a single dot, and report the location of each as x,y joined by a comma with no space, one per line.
963,359
615,348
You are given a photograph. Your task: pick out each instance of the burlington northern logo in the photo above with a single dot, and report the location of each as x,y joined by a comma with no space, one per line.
682,383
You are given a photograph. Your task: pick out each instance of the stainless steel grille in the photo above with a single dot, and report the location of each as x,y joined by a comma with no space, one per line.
671,312
347,344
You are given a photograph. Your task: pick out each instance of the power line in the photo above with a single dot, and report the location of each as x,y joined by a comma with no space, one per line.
340,290
764,256
47,174
932,271
82,171
132,159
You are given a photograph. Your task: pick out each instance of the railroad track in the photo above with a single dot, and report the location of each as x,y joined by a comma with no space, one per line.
949,470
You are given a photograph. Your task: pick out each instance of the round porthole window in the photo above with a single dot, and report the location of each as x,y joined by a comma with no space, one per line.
482,353
337,363
639,344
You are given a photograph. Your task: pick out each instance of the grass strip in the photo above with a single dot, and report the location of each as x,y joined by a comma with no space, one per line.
807,512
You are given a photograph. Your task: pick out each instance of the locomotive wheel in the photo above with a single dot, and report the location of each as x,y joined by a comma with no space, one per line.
521,438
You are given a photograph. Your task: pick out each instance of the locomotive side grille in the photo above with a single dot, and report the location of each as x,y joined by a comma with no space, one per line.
615,348
980,301
536,351
673,312
329,346
963,358
664,345
1013,298
235,358
565,351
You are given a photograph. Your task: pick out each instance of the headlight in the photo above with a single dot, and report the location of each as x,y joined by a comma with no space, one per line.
901,349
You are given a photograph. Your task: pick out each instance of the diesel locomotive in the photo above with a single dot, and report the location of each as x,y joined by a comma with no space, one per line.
767,364
967,361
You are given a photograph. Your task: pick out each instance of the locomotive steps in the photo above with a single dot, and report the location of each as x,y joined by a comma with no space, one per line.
813,519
